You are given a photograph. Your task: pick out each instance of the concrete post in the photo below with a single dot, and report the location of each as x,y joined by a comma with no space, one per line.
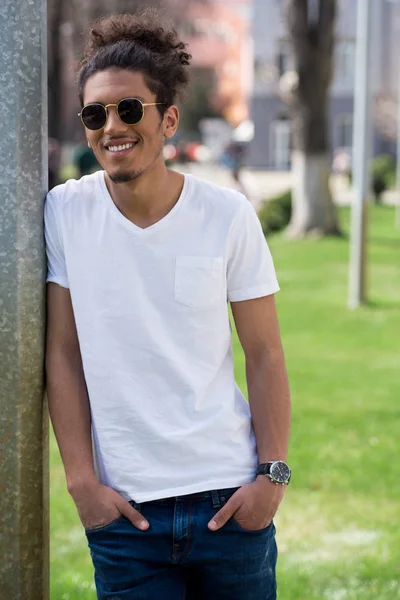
24,548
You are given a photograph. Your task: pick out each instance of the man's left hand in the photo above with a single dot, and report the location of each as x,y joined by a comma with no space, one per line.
253,506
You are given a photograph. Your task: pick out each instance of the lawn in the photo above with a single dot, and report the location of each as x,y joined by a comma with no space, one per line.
338,528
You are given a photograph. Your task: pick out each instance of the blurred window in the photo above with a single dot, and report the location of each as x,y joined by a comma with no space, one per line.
188,30
204,27
231,68
225,32
280,143
284,57
345,130
264,71
345,60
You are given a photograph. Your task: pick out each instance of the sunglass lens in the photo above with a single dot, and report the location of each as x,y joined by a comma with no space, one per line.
130,111
94,116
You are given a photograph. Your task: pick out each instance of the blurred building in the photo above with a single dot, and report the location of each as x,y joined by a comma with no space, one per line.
219,37
271,147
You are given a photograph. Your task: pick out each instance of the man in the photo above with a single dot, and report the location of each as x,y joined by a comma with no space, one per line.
160,448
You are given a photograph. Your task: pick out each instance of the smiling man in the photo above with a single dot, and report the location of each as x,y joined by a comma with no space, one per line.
176,478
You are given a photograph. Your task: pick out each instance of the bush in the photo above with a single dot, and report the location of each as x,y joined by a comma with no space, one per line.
275,214
383,173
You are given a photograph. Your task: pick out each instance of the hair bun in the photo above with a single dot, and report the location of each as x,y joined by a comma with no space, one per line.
144,29
144,42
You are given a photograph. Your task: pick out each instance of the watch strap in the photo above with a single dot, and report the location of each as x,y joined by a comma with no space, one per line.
264,468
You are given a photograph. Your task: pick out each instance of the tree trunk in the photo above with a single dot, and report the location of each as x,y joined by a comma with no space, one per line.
312,38
313,211
55,65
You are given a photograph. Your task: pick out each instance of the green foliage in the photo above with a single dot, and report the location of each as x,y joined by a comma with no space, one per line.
275,214
383,172
197,107
68,171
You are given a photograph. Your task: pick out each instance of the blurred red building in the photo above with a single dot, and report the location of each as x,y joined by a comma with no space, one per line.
219,37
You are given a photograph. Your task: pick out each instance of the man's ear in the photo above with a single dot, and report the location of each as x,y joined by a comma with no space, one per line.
171,121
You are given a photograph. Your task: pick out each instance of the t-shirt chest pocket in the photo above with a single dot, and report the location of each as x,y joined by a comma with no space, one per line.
198,280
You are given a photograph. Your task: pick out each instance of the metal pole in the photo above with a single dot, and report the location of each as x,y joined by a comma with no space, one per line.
361,156
398,159
24,537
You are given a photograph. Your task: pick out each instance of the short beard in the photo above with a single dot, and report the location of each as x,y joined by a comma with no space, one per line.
125,177
132,175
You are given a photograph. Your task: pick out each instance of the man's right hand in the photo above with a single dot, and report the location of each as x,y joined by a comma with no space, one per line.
99,505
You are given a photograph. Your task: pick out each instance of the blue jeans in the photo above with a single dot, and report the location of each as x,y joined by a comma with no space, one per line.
179,558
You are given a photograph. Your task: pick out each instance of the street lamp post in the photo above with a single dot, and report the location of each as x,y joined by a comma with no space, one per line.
361,157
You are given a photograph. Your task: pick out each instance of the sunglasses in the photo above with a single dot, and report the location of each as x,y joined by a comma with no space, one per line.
129,110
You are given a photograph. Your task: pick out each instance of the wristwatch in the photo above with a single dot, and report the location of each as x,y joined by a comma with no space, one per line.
276,470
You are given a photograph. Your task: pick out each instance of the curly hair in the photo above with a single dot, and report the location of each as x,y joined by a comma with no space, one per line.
141,42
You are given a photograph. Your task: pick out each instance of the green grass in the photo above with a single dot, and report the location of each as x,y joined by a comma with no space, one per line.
337,529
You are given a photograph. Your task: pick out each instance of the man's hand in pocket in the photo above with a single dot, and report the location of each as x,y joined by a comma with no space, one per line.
99,505
253,506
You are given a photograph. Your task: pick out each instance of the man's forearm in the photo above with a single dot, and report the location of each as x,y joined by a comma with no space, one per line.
269,400
70,415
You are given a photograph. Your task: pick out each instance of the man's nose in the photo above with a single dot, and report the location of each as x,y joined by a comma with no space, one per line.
114,123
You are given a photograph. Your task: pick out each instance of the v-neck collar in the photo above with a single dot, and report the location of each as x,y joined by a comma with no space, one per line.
117,214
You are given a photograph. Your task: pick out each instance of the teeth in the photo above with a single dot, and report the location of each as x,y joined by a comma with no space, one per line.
120,148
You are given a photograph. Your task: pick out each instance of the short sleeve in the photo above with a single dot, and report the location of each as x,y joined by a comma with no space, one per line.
56,268
250,269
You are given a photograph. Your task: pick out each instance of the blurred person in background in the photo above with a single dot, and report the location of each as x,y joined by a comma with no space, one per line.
84,159
182,151
236,153
176,478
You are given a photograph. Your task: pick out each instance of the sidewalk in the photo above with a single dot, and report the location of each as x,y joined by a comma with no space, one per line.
263,185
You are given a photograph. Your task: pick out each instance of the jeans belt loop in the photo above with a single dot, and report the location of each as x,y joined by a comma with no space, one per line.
216,502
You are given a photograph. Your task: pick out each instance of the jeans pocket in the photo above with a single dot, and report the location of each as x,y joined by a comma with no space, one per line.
103,527
225,496
239,527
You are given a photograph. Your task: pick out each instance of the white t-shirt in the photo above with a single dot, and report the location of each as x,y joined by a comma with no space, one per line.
151,310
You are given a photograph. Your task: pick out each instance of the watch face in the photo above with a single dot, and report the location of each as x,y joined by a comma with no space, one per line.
280,471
